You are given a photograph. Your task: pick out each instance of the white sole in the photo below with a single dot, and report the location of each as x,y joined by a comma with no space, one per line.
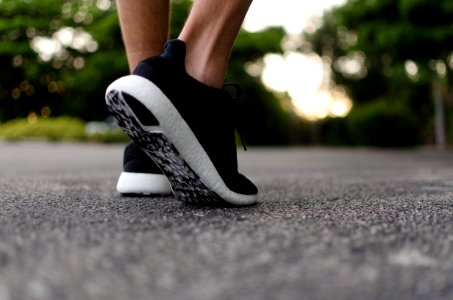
172,144
143,184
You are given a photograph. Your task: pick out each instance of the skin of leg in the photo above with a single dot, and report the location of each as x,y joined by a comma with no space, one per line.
144,26
209,33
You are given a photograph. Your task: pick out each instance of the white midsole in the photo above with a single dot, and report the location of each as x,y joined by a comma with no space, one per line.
179,134
143,183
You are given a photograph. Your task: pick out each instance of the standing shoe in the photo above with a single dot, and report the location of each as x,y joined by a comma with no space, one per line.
141,176
185,126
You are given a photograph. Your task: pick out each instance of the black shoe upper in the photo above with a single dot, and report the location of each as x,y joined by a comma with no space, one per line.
136,161
208,111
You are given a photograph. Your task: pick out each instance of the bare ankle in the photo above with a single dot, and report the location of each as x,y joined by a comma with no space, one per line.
211,74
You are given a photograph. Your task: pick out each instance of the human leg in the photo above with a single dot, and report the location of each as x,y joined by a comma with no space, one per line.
209,33
144,26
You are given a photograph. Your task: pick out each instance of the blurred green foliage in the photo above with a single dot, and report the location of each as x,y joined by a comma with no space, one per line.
56,129
382,124
72,81
386,38
62,128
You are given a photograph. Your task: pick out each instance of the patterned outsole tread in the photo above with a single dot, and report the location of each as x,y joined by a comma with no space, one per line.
185,183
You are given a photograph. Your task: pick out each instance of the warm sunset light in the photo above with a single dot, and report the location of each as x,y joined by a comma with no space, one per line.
303,77
305,80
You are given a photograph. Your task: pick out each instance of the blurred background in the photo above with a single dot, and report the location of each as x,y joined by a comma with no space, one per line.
334,72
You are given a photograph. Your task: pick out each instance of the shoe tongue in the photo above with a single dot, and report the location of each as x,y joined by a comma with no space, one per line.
175,51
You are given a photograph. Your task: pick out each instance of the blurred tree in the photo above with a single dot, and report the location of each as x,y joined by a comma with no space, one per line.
51,54
58,57
261,117
392,49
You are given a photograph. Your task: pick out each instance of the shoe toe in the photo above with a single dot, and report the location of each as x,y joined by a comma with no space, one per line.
243,185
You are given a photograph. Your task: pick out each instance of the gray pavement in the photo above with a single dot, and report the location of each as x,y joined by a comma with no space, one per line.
331,224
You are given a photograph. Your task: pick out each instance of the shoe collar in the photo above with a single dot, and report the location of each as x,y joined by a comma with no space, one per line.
175,52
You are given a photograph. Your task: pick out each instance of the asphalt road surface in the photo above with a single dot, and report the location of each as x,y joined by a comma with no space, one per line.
330,224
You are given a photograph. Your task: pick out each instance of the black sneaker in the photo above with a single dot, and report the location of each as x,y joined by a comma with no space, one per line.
141,176
185,126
